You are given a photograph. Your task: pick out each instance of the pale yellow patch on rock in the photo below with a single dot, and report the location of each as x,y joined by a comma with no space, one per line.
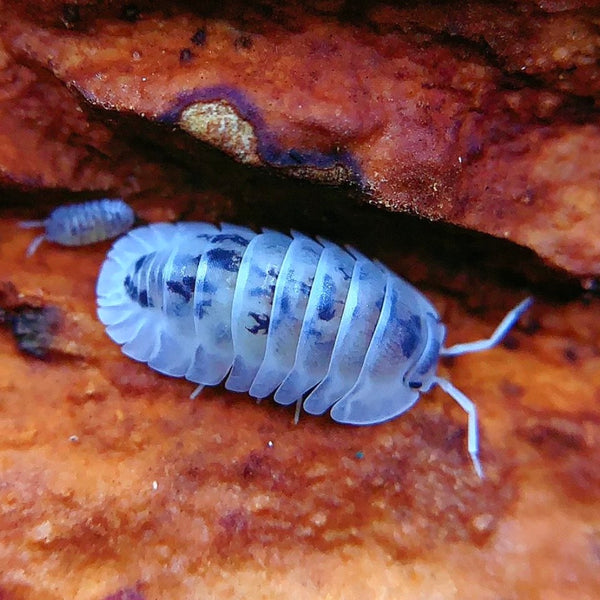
219,124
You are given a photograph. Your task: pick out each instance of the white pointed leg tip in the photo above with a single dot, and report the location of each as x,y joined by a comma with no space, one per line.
477,466
196,392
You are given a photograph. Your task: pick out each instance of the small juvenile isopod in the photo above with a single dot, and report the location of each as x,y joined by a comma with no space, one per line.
283,315
85,223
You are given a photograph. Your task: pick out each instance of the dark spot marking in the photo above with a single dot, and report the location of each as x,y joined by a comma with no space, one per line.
140,262
262,323
199,38
200,308
411,330
344,273
315,333
266,290
262,291
185,287
185,55
285,304
304,288
325,308
229,237
130,13
177,287
326,313
131,288
415,385
208,287
144,299
228,260
408,329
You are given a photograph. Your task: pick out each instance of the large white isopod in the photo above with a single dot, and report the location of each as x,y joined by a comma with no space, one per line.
305,320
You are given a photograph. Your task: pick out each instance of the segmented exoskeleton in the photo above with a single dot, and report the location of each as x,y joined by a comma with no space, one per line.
303,319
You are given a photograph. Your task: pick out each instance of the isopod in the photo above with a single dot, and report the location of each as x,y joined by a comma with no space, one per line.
282,315
85,223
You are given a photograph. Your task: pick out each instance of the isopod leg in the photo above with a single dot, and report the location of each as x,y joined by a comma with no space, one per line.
34,245
196,391
298,409
473,433
509,320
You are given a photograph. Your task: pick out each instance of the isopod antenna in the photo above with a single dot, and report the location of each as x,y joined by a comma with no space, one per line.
509,320
35,244
465,403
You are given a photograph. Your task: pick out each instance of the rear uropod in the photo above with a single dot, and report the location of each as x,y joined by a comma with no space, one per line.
81,224
280,314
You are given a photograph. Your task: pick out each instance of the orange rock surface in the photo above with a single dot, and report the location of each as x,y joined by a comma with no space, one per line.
115,486
482,114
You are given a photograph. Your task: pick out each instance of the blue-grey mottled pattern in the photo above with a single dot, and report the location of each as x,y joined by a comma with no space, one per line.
273,314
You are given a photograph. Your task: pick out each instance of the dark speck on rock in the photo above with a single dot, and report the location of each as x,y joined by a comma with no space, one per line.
34,328
185,55
570,354
199,38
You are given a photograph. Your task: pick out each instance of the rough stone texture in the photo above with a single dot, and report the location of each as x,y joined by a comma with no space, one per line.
114,486
479,113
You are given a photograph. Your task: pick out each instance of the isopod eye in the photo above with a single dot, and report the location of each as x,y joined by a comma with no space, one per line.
415,385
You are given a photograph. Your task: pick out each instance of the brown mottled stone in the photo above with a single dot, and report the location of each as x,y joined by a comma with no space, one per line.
481,114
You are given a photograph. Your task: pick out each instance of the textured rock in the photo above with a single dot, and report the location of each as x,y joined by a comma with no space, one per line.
481,114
